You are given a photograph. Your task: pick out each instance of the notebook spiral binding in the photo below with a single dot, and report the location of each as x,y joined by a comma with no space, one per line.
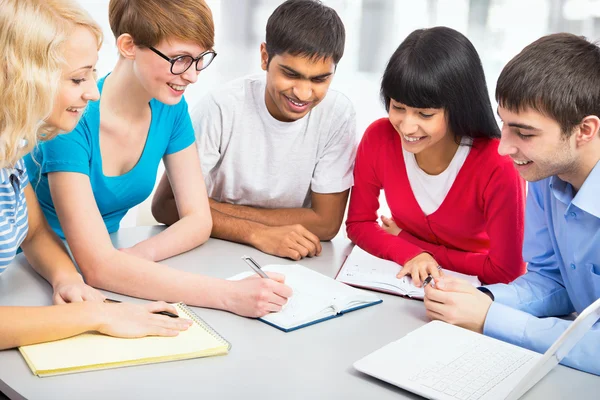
194,317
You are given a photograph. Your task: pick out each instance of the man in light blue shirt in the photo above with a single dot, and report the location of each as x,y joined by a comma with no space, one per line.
549,103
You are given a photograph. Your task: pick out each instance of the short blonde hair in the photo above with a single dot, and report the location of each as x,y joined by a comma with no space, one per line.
150,21
32,34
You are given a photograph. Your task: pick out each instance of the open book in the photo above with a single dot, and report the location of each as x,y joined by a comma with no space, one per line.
92,351
364,270
316,298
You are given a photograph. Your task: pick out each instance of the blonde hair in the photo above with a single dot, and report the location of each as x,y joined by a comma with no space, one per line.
32,34
150,21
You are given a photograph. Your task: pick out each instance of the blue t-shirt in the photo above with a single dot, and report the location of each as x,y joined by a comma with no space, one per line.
79,151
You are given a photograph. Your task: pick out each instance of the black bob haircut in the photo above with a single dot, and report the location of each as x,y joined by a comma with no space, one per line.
305,28
440,68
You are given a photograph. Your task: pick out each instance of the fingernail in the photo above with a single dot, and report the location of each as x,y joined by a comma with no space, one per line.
440,284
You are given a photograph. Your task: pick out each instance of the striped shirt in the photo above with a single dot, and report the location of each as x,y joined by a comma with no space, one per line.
13,212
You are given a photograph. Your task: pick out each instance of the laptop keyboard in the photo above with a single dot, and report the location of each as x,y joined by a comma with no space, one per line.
473,370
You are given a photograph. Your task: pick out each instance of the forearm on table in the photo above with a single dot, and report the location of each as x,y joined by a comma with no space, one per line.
538,334
234,229
185,234
47,254
29,325
133,276
322,227
534,294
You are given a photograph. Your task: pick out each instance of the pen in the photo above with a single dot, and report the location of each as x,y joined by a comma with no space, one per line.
430,278
254,265
167,313
427,280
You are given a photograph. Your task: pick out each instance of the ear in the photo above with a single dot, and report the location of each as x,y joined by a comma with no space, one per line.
264,56
126,46
588,130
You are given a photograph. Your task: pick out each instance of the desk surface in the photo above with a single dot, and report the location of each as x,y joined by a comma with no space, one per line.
315,362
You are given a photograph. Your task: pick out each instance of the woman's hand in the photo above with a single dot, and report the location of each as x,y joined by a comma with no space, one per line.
420,267
255,296
390,226
74,290
134,320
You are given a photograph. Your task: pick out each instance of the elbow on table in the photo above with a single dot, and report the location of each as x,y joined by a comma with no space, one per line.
93,276
205,231
160,214
352,229
94,271
328,232
202,224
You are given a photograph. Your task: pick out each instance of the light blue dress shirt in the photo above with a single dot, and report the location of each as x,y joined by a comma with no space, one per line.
562,248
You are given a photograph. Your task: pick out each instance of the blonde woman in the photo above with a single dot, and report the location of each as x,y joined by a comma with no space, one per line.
49,50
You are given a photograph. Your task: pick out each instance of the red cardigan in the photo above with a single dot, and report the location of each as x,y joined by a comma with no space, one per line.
478,228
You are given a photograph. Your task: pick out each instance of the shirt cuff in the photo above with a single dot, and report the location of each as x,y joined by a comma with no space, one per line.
502,293
487,292
495,323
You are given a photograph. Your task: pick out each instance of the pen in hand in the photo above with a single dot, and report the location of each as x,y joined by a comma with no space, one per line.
431,279
167,313
427,280
255,267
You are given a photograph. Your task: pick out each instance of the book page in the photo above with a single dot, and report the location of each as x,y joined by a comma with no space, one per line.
93,350
315,296
366,270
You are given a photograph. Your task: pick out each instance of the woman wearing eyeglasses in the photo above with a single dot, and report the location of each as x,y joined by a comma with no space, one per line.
91,177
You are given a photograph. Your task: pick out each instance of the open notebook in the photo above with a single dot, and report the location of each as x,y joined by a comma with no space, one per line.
93,351
316,298
364,270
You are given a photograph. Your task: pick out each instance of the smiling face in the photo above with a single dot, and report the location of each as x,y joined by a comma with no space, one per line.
420,128
78,83
537,145
154,72
295,84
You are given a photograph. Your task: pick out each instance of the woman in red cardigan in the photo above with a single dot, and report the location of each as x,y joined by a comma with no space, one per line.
455,202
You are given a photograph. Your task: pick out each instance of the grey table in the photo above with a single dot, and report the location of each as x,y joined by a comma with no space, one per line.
315,362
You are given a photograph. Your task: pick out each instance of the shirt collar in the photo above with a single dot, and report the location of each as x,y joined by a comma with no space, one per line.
586,198
17,170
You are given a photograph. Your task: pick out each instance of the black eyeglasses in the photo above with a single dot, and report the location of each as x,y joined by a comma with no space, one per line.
180,64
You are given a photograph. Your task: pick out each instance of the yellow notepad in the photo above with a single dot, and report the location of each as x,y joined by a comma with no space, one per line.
93,351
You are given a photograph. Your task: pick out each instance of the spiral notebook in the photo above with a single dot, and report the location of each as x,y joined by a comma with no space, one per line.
93,351
316,298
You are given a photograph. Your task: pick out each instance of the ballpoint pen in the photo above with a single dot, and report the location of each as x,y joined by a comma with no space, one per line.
430,278
167,313
254,265
427,280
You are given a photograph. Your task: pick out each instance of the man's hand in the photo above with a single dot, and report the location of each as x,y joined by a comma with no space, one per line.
457,302
74,290
390,226
291,241
419,268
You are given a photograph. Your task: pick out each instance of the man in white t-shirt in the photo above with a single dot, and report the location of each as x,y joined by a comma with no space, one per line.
278,150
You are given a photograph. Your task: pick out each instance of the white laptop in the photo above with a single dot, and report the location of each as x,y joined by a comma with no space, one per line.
444,362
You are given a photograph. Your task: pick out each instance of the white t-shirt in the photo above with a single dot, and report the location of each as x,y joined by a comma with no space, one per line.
250,158
431,190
